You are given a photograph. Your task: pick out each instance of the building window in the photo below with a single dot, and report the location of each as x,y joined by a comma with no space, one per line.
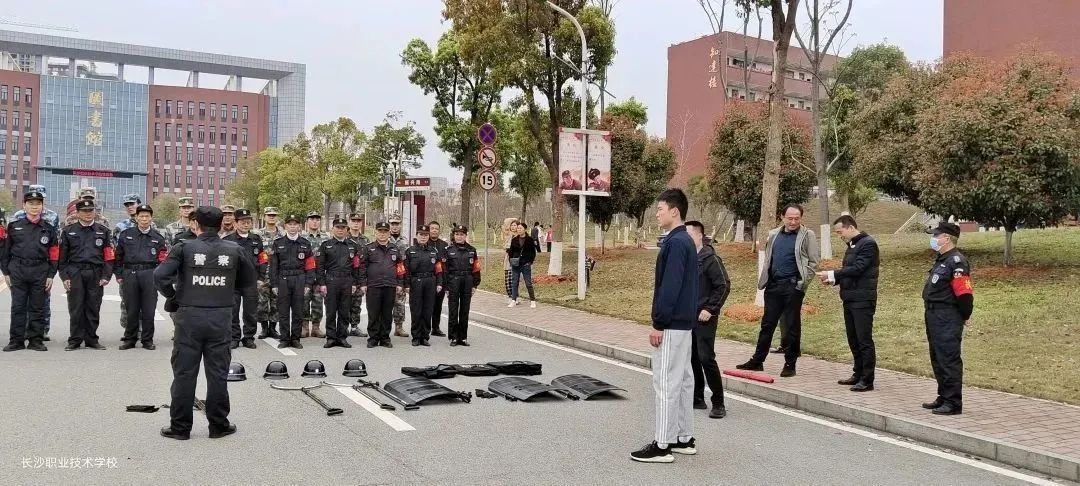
190,109
168,181
802,104
3,119
179,132
200,181
234,136
221,182
157,154
221,156
26,146
189,157
188,179
157,179
168,107
789,73
213,133
211,156
234,107
18,94
202,110
179,108
245,114
3,94
3,144
243,137
735,62
202,155
191,133
26,123
223,136
211,185
168,154
243,155
157,108
29,96
26,172
15,121
176,178
168,131
233,159
213,111
202,133
179,155
157,131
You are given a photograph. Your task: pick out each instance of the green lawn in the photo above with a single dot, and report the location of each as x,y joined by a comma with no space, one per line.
1023,338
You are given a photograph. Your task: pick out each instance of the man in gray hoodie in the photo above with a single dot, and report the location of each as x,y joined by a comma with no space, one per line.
791,259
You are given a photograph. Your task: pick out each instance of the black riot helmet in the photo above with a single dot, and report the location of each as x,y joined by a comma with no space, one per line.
276,370
236,372
355,368
314,369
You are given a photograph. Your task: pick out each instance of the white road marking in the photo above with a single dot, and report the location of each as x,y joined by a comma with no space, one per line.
390,419
792,413
273,344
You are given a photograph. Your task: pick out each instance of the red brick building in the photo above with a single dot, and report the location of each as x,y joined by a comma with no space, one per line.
997,28
19,98
700,71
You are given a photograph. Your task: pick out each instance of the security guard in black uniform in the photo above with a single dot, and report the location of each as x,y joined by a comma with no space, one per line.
291,273
28,259
381,274
462,277
436,313
206,272
86,260
337,275
139,250
423,279
949,298
246,300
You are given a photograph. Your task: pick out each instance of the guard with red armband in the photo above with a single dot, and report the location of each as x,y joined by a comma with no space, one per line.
337,274
381,277
29,253
292,272
246,299
424,268
949,298
139,250
462,277
85,266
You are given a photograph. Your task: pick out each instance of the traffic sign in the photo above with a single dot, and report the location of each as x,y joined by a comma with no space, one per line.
486,179
487,134
486,157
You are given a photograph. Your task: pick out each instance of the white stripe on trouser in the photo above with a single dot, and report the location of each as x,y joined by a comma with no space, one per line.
673,384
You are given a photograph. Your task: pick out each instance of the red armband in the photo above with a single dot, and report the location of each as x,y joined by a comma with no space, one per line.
962,286
162,254
54,253
109,254
438,266
3,233
356,261
309,263
476,265
263,259
400,270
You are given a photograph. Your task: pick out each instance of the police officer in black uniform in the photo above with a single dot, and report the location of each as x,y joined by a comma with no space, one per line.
423,278
949,298
337,275
206,272
381,275
246,300
86,260
139,250
436,313
28,259
292,273
462,277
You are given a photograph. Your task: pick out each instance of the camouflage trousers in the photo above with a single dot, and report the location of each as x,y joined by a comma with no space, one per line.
313,305
399,309
267,310
123,311
356,309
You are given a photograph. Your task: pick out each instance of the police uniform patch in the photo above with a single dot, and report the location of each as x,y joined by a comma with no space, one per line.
470,259
98,242
393,257
200,259
300,255
153,252
254,251
956,258
433,260
44,240
935,278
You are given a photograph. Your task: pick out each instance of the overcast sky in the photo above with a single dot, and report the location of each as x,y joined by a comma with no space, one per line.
352,48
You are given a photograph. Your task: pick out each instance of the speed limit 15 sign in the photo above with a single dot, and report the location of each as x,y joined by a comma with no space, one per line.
486,178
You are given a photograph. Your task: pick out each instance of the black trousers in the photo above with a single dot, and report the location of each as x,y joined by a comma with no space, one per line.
380,308
245,305
290,305
28,300
421,306
460,294
782,300
202,335
944,332
703,362
859,323
436,311
140,297
338,303
84,305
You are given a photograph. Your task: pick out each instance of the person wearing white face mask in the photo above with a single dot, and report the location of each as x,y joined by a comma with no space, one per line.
949,298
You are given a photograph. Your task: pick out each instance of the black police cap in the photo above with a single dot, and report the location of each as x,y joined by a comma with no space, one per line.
461,229
339,221
144,208
423,229
208,216
382,225
242,214
293,218
945,227
85,205
33,196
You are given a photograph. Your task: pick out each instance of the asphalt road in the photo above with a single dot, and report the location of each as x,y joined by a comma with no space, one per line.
58,405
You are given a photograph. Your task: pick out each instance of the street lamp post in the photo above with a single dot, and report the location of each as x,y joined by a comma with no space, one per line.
584,124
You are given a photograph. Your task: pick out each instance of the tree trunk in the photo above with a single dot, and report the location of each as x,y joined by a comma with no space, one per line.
466,193
822,169
524,207
557,209
1008,247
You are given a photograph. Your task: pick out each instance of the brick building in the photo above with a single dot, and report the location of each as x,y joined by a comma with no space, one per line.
997,28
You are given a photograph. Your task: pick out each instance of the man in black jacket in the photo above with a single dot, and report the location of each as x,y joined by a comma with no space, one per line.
713,289
858,290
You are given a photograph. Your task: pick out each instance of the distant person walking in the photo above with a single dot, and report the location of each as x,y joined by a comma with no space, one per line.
522,253
549,237
536,235
674,315
507,235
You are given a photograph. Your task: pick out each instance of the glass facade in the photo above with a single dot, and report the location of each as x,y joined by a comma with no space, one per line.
92,133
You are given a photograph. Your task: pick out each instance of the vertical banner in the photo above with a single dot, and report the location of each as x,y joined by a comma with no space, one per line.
571,160
598,170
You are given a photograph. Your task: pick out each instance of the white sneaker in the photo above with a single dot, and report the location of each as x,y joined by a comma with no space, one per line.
512,303
532,304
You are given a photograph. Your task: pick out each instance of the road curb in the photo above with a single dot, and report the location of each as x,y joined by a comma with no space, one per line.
976,445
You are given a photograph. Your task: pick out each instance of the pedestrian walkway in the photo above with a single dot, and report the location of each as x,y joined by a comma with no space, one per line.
1047,433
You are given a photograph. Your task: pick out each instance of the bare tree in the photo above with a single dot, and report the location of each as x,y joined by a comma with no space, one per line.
715,11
